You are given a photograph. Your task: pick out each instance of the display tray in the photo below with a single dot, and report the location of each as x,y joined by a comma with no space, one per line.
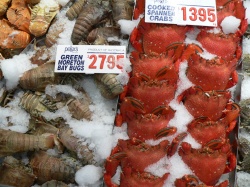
97,130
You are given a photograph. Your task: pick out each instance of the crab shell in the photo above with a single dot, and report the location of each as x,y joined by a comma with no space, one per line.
152,94
213,162
215,44
130,178
191,180
214,74
230,8
205,103
133,154
203,130
148,126
140,155
150,38
162,67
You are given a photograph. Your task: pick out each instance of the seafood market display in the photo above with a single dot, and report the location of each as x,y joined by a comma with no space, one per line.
41,109
170,118
176,69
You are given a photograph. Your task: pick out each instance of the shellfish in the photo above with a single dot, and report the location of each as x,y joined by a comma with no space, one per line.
41,17
14,173
12,38
4,4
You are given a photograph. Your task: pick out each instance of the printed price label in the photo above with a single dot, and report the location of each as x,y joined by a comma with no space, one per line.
181,12
89,59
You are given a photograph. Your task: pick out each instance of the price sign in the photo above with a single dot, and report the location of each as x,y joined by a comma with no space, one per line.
181,12
101,60
89,59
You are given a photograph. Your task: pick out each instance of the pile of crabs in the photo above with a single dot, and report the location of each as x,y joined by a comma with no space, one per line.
145,105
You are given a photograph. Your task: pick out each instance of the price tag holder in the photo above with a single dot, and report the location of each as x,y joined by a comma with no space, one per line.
181,12
89,59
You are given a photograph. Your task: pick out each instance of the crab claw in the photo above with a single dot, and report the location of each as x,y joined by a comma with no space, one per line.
168,131
231,163
163,110
190,49
111,164
187,180
139,8
124,93
134,41
192,180
132,104
175,143
176,48
215,144
128,108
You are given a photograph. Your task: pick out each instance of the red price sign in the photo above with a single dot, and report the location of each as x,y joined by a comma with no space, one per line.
198,14
181,12
102,61
90,59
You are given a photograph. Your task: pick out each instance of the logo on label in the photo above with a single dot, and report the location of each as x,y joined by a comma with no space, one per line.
160,1
71,49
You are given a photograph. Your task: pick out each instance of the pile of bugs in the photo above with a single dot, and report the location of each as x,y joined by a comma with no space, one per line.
41,148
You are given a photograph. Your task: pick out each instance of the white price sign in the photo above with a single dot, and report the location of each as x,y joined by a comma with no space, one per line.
181,12
89,59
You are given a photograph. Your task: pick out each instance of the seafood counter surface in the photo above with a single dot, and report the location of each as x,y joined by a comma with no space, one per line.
169,111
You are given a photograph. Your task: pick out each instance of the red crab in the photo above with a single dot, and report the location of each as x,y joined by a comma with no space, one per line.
150,126
203,130
232,8
151,38
206,163
130,178
214,74
139,8
137,155
162,67
226,46
130,106
151,93
210,104
191,180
